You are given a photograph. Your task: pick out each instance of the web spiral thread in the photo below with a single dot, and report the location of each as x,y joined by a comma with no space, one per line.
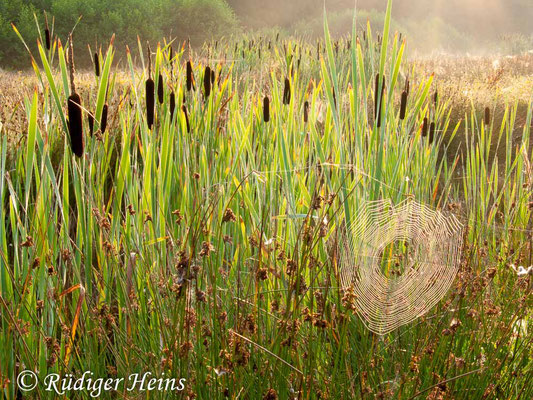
383,301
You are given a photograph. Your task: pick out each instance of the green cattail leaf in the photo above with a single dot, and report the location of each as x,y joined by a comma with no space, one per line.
53,87
30,145
103,85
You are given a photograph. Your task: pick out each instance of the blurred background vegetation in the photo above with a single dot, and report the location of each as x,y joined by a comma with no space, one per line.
474,26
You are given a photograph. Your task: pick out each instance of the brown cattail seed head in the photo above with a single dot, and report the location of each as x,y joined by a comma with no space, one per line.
103,123
75,121
184,109
207,82
47,38
160,89
47,35
90,119
75,124
403,105
306,111
425,127
96,65
172,104
378,99
189,76
266,109
287,92
150,102
376,96
487,116
431,132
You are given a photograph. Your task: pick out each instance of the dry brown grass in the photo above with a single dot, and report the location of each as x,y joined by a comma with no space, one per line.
485,81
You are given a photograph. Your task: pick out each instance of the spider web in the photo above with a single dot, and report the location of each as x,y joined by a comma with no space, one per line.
434,243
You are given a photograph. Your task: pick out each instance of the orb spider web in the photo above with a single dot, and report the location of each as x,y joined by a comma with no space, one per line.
400,261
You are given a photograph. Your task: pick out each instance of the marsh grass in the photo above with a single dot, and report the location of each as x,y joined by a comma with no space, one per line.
202,243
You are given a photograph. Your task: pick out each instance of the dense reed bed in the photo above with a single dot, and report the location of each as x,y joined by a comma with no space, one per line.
196,235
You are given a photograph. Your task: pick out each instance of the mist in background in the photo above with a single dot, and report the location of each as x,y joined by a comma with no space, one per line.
451,26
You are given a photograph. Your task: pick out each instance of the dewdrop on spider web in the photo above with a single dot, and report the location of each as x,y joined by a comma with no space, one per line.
400,260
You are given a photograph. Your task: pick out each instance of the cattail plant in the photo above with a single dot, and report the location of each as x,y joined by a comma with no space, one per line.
431,132
378,99
207,82
150,102
487,116
266,109
403,105
160,89
184,109
425,127
172,105
75,122
306,111
90,120
436,98
47,37
189,76
103,122
376,96
150,94
213,77
96,64
287,92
